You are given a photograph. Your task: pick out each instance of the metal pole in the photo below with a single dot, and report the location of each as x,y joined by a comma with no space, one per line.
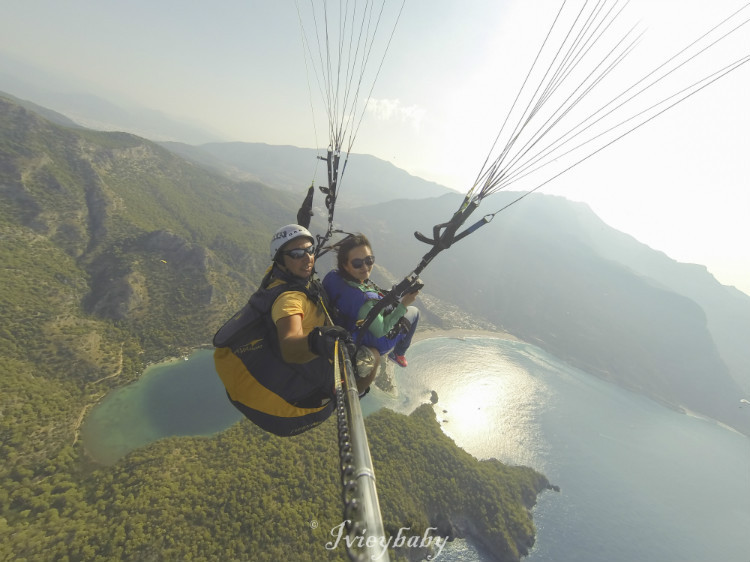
372,537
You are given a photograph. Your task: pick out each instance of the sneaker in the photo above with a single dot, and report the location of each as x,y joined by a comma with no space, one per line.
400,359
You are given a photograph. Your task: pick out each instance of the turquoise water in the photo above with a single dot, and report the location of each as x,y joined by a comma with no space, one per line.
176,398
639,482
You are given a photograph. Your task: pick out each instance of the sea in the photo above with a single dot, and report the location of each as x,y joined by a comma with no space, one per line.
638,481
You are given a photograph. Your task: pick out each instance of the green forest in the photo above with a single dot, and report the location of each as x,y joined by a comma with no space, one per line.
248,495
116,254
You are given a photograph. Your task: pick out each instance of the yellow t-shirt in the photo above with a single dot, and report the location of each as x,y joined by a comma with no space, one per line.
296,302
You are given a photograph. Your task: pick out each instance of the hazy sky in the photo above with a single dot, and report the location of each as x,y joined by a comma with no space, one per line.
678,184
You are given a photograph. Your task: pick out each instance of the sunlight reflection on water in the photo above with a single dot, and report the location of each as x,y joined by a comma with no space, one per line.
487,402
634,475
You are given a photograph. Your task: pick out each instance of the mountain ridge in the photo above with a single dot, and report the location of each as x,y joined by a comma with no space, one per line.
70,98
547,285
365,179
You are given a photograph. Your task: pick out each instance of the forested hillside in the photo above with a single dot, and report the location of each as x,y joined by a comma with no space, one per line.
116,253
248,495
113,254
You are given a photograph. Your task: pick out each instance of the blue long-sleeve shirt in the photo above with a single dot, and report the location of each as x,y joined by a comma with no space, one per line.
353,301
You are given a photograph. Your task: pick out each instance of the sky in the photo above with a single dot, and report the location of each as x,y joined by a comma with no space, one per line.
239,69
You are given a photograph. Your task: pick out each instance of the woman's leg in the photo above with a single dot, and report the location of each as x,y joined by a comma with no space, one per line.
412,315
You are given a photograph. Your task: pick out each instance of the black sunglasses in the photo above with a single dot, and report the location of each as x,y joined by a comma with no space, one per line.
299,253
357,263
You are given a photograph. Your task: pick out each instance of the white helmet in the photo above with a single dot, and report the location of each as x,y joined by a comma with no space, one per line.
286,234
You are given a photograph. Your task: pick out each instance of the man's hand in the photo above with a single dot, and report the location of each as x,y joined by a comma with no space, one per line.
322,340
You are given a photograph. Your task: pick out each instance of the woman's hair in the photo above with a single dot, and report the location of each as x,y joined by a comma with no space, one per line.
347,245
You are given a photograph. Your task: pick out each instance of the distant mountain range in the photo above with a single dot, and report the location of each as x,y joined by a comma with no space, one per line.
165,247
366,180
60,94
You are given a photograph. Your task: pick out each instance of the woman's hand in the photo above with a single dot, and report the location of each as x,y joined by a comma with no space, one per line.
409,298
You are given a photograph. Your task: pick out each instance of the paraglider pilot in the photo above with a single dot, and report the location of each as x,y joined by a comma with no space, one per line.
274,355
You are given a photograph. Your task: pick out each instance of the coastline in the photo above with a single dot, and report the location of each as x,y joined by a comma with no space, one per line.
461,333
465,333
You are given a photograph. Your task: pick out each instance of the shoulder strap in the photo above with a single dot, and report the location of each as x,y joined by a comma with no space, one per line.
258,308
251,317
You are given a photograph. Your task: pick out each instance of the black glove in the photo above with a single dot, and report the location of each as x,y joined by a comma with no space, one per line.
321,341
403,325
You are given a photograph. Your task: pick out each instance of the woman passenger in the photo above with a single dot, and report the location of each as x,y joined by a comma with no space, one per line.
353,294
